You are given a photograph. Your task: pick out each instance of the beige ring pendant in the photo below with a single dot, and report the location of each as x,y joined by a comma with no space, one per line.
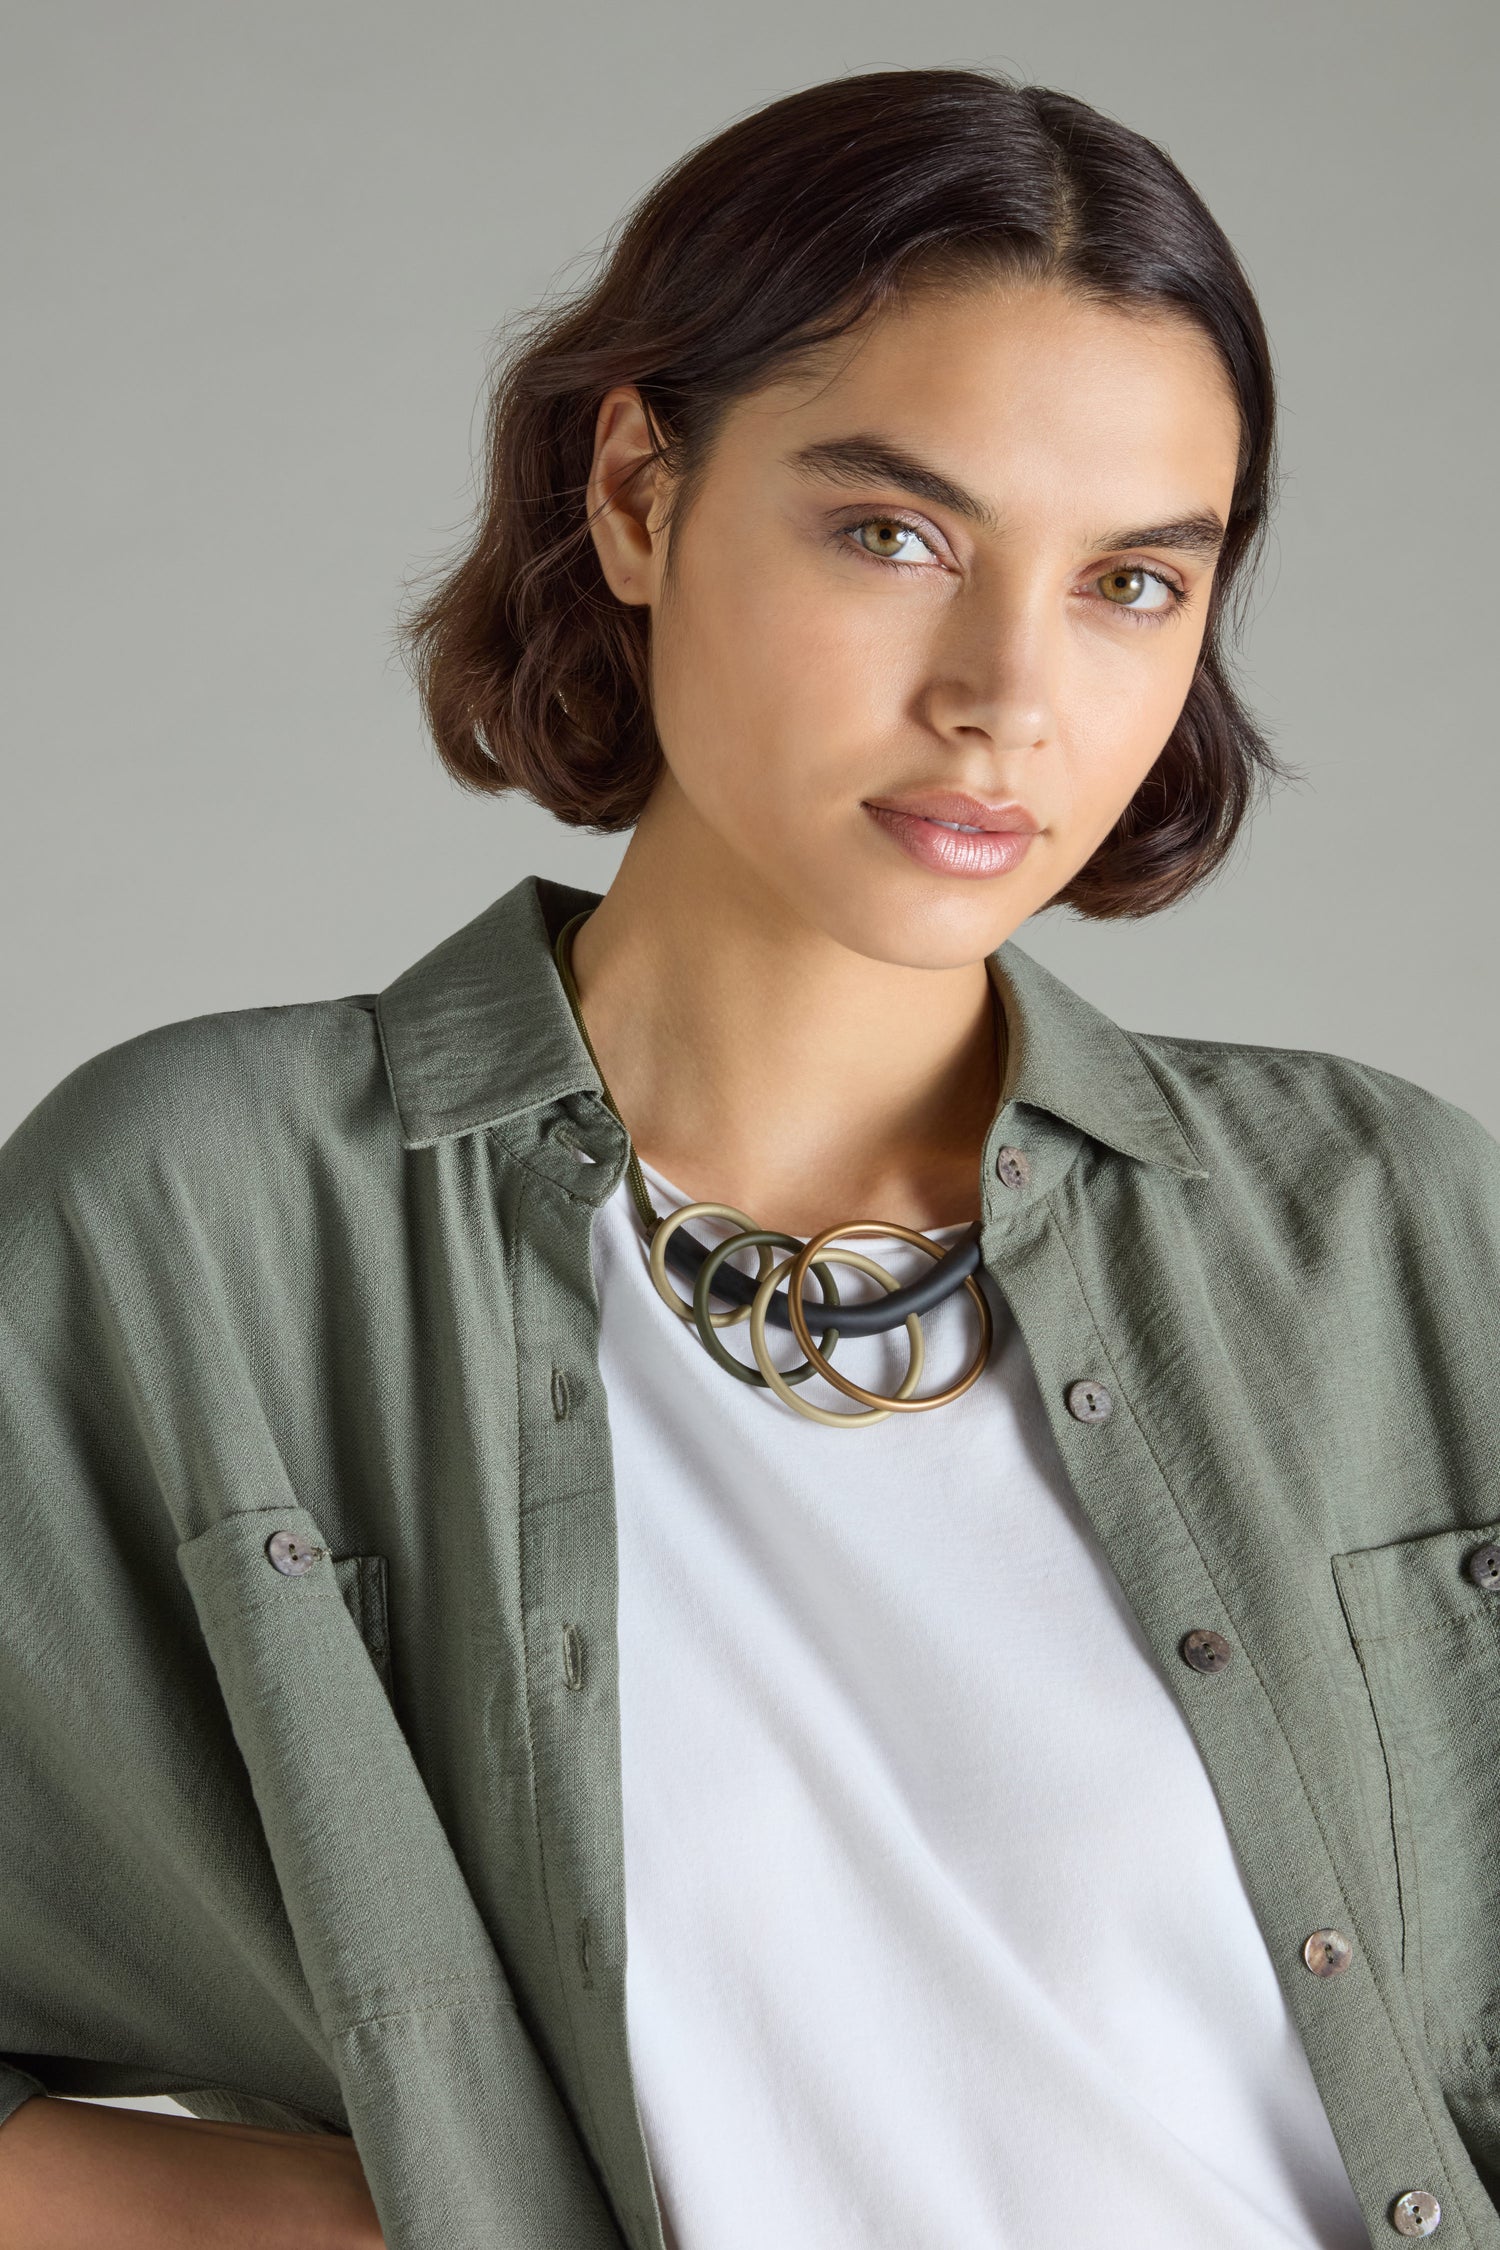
664,1231
832,1417
816,1255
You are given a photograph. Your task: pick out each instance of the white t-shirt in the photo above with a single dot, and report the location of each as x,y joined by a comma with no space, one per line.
935,1933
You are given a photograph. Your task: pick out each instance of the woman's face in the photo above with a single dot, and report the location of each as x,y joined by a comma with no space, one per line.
946,589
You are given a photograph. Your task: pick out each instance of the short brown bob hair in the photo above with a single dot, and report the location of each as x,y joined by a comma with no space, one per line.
768,241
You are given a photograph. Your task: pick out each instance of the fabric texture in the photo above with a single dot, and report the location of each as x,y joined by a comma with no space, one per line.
919,1951
302,1856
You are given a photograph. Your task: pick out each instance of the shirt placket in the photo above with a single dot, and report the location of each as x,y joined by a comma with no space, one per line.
574,1154
1403,2155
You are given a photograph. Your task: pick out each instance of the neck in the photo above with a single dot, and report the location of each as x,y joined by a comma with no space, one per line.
758,1062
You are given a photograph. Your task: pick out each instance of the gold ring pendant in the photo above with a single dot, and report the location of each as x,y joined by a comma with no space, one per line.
902,1402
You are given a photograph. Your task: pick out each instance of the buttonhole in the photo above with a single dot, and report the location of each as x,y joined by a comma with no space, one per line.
567,1135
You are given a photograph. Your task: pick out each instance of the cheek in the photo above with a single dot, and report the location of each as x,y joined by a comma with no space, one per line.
1123,706
765,672
1116,721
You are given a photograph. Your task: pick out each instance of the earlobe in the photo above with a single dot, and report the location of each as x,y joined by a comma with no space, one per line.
621,490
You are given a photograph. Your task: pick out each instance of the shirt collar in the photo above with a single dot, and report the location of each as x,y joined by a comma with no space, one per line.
479,1030
1070,1059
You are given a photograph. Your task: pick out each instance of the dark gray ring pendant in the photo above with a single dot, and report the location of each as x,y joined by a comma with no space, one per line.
873,1318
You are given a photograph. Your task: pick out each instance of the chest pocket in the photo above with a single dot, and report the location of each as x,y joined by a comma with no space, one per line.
1424,1616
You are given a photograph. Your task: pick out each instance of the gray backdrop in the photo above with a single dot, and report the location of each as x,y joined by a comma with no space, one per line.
253,261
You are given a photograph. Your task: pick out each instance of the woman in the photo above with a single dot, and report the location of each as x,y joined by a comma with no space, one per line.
465,1689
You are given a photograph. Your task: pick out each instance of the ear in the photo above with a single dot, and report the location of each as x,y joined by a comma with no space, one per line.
624,509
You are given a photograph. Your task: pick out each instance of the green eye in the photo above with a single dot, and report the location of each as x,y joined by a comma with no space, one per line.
880,537
890,539
1125,586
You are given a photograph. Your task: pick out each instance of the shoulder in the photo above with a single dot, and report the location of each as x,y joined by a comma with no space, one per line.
1234,1085
211,1099
1319,1128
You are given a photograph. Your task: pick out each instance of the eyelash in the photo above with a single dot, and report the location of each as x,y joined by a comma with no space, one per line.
904,523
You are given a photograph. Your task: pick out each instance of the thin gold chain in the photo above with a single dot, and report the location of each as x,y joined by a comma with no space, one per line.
562,951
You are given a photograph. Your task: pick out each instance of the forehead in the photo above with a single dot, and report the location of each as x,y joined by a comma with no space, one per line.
1014,390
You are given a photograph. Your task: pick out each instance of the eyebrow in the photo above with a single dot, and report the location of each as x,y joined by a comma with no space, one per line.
862,460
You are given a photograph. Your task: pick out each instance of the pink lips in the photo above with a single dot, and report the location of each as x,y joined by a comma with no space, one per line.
954,834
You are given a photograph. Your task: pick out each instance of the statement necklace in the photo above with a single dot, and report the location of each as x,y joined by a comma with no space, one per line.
756,1297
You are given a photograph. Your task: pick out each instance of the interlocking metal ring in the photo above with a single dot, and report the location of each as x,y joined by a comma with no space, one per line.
902,1402
811,1257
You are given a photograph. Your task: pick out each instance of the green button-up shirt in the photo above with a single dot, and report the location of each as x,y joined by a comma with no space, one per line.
341,1848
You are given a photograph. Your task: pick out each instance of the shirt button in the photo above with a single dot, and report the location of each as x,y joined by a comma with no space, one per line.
1206,1651
292,1556
1416,2212
1014,1167
1327,1953
1483,1566
1088,1400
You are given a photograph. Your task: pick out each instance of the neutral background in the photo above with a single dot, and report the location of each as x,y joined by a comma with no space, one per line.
255,262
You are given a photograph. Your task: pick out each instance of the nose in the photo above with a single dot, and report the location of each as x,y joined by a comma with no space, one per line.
993,676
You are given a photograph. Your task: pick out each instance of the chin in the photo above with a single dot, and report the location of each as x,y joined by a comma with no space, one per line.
883,922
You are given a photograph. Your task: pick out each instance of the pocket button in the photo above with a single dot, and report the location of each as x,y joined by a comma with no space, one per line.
1483,1566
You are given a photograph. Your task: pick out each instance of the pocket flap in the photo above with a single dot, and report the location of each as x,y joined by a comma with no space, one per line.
1410,1586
